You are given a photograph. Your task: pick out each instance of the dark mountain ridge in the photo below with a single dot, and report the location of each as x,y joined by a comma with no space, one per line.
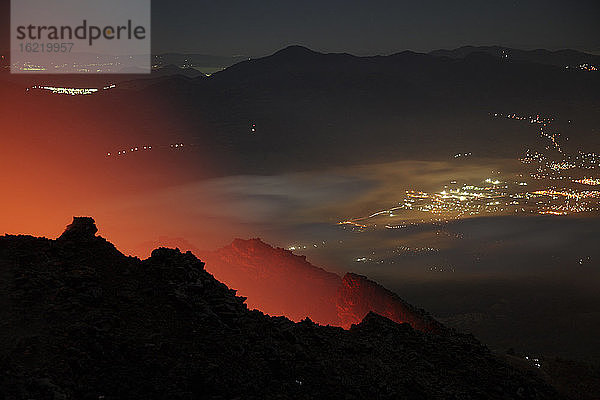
299,110
559,58
326,106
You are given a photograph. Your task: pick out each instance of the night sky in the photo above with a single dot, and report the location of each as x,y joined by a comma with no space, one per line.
256,28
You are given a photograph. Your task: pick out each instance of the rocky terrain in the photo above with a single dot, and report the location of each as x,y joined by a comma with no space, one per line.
79,320
358,296
278,282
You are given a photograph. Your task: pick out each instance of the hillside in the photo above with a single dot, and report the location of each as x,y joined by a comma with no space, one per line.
82,321
277,282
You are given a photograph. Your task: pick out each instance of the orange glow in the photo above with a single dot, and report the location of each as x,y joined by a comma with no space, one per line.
54,165
277,282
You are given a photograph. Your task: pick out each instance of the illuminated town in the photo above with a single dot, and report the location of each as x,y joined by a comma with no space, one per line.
70,91
584,67
551,183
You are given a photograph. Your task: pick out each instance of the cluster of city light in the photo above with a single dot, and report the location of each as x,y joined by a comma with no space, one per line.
492,197
553,193
465,200
588,67
71,91
64,90
588,181
587,160
561,165
556,165
455,201
415,250
548,167
552,212
571,194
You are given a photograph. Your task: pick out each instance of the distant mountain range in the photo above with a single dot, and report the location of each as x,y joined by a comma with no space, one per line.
209,63
202,62
559,58
299,109
339,107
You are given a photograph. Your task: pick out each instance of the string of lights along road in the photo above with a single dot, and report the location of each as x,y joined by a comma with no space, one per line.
146,148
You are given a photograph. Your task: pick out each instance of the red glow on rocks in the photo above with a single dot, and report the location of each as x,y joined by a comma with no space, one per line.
277,282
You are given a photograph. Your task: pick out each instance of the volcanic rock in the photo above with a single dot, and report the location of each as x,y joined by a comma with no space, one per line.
278,282
359,296
79,320
82,228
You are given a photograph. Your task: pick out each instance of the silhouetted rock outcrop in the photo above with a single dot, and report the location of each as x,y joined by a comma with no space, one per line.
82,228
79,320
278,282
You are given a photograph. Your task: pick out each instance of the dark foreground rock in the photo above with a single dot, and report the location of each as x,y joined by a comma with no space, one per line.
79,320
